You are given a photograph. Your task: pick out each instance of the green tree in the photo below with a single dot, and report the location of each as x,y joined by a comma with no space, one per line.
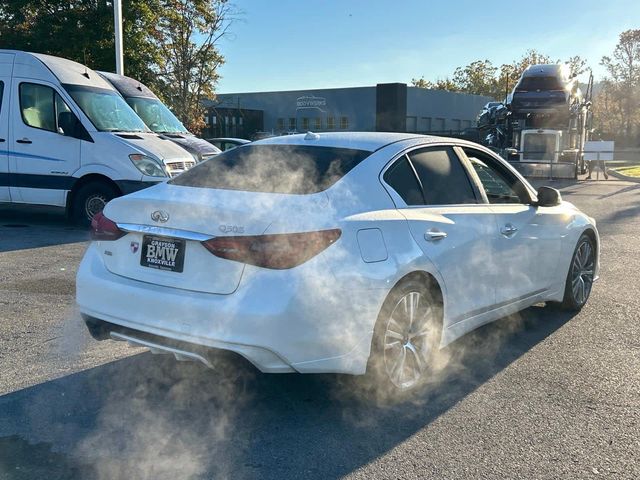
82,30
481,77
188,35
478,77
440,84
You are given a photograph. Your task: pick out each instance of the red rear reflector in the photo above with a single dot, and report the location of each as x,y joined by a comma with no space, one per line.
277,251
104,229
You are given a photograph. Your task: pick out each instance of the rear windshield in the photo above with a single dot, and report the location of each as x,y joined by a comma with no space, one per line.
297,169
528,84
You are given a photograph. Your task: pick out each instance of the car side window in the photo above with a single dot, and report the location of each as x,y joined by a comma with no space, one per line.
37,106
1,93
498,183
401,177
42,107
443,178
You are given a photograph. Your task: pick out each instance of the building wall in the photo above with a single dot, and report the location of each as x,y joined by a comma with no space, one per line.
382,107
350,108
438,110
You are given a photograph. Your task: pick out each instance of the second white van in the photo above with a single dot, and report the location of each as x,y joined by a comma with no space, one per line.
69,140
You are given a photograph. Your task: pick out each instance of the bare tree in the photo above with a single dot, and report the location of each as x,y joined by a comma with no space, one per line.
623,82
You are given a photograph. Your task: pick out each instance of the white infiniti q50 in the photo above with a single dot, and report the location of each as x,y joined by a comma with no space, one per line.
338,252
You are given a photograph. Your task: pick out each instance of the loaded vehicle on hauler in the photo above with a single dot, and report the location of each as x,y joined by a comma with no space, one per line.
68,139
542,127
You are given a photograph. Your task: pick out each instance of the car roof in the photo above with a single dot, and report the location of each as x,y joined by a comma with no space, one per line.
369,141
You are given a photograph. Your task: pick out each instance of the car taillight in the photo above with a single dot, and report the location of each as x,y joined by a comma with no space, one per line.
104,229
276,251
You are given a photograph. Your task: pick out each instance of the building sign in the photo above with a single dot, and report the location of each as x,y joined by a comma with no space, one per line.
309,101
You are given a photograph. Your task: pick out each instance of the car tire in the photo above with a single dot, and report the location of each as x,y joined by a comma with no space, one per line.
404,344
91,199
580,276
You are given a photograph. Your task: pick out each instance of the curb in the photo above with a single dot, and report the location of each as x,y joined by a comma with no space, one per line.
620,176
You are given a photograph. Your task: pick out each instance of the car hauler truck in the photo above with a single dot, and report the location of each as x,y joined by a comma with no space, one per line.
542,127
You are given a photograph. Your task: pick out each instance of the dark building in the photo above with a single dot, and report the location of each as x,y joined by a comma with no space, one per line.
391,107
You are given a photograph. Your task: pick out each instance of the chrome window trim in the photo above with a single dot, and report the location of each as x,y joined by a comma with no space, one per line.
397,199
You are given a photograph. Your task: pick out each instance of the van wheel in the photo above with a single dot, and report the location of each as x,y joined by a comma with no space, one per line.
91,199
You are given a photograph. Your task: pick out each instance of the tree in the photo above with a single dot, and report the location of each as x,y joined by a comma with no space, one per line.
577,65
82,30
440,84
188,35
483,78
620,95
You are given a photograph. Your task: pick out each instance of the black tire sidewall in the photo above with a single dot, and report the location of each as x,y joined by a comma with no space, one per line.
78,211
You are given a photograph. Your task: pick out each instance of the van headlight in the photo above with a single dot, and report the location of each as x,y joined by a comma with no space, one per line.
148,165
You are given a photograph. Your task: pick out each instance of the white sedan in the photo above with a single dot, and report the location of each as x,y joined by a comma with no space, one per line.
338,252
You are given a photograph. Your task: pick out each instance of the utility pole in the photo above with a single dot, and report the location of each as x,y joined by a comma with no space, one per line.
117,21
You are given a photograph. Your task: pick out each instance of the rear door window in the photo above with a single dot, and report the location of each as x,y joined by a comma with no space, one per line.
443,178
296,169
401,177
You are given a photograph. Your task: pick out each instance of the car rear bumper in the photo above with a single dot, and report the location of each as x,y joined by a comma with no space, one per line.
275,320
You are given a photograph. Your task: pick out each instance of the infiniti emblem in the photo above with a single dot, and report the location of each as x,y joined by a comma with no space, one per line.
160,216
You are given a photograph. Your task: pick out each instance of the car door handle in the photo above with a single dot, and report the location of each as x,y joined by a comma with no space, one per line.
508,230
2,140
434,235
24,140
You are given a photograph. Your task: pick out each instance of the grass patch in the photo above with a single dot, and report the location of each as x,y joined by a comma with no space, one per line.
630,171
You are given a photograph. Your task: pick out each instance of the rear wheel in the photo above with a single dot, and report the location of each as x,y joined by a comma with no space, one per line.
406,337
580,277
90,199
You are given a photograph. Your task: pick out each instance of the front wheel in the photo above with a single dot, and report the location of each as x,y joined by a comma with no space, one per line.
89,200
581,274
406,337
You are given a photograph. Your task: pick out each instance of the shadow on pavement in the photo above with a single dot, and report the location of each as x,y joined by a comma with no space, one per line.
25,227
151,417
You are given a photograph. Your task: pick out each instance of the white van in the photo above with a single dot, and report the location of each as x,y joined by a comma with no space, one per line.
68,139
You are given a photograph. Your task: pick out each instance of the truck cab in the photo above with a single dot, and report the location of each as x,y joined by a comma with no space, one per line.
69,140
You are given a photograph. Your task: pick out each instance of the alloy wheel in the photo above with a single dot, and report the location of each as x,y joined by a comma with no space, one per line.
409,340
582,272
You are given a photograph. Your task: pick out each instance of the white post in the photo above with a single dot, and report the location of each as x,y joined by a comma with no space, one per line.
117,21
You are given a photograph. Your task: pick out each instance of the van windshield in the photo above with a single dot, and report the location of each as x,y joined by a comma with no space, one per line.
156,115
106,109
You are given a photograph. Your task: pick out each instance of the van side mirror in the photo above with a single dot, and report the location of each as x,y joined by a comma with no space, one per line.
548,197
70,126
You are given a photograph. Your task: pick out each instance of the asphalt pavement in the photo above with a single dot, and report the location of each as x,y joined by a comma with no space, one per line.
543,394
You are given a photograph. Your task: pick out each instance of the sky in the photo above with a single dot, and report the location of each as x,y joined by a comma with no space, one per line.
291,45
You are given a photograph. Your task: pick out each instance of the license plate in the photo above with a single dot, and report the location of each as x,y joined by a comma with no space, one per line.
163,253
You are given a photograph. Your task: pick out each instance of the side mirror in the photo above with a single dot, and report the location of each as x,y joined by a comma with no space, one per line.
67,124
511,151
70,126
548,197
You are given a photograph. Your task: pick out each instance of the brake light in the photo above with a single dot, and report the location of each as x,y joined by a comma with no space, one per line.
104,229
276,251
